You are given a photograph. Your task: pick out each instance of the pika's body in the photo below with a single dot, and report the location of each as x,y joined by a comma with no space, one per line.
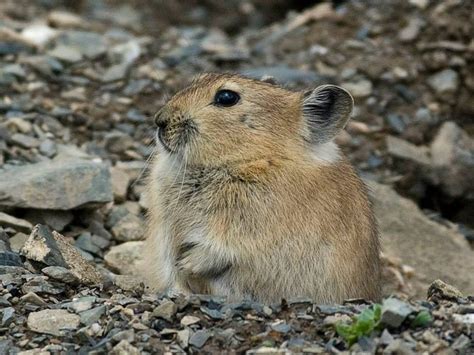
250,198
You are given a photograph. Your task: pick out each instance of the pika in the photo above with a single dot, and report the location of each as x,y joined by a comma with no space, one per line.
249,197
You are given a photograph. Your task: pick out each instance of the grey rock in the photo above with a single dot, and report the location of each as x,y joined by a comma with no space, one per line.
166,310
124,347
65,54
61,274
188,320
461,342
56,219
88,44
58,185
199,338
437,252
182,337
52,321
403,149
286,75
115,72
33,298
52,250
38,284
25,141
48,148
85,242
44,64
125,53
394,312
281,327
7,316
213,313
411,31
120,183
10,258
399,347
128,335
444,82
396,122
440,290
129,228
16,223
359,89
118,142
124,258
4,302
92,315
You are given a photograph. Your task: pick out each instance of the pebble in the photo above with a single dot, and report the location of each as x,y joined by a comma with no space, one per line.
120,182
82,182
189,320
129,228
359,89
25,141
394,312
18,224
124,257
61,274
48,148
124,347
440,290
166,310
444,82
199,338
53,321
93,315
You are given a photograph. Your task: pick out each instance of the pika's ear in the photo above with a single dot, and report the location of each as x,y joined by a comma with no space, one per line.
326,111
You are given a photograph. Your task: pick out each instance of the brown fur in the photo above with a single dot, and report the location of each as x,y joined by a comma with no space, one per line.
243,207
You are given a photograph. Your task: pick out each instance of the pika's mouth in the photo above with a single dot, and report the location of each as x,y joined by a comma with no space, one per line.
161,139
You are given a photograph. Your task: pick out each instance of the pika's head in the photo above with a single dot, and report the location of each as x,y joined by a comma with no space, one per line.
225,119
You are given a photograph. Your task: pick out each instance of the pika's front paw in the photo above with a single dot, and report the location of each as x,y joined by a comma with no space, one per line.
198,261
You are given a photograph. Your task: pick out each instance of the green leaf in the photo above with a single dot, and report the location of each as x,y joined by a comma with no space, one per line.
363,325
422,319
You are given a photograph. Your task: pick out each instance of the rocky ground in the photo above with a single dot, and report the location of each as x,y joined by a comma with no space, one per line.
79,85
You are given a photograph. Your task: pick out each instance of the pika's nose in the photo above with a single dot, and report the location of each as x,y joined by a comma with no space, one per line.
160,120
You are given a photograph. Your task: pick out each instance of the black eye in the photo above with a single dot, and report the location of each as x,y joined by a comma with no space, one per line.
226,98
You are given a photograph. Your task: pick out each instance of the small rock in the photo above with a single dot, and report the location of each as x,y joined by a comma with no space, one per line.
124,348
444,82
361,88
9,258
61,274
189,320
129,228
118,142
66,54
405,150
7,316
52,321
64,19
394,312
92,315
213,313
166,310
125,53
440,290
182,337
85,242
124,258
199,338
129,283
56,219
16,223
398,346
461,342
77,183
281,327
53,250
120,183
33,298
88,44
127,335
411,31
38,284
48,148
38,34
285,75
114,73
25,141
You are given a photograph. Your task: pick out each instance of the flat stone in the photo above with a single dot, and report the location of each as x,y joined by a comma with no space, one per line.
166,310
120,183
10,258
361,88
285,75
405,150
33,298
124,258
17,242
66,54
52,321
25,141
394,312
129,228
92,315
56,219
52,250
440,290
88,44
436,251
124,347
7,316
444,82
61,274
188,320
57,185
199,338
18,224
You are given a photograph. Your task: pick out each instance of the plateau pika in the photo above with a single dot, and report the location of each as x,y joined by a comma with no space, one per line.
250,197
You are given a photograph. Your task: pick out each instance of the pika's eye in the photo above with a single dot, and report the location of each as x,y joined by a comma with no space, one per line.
226,98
